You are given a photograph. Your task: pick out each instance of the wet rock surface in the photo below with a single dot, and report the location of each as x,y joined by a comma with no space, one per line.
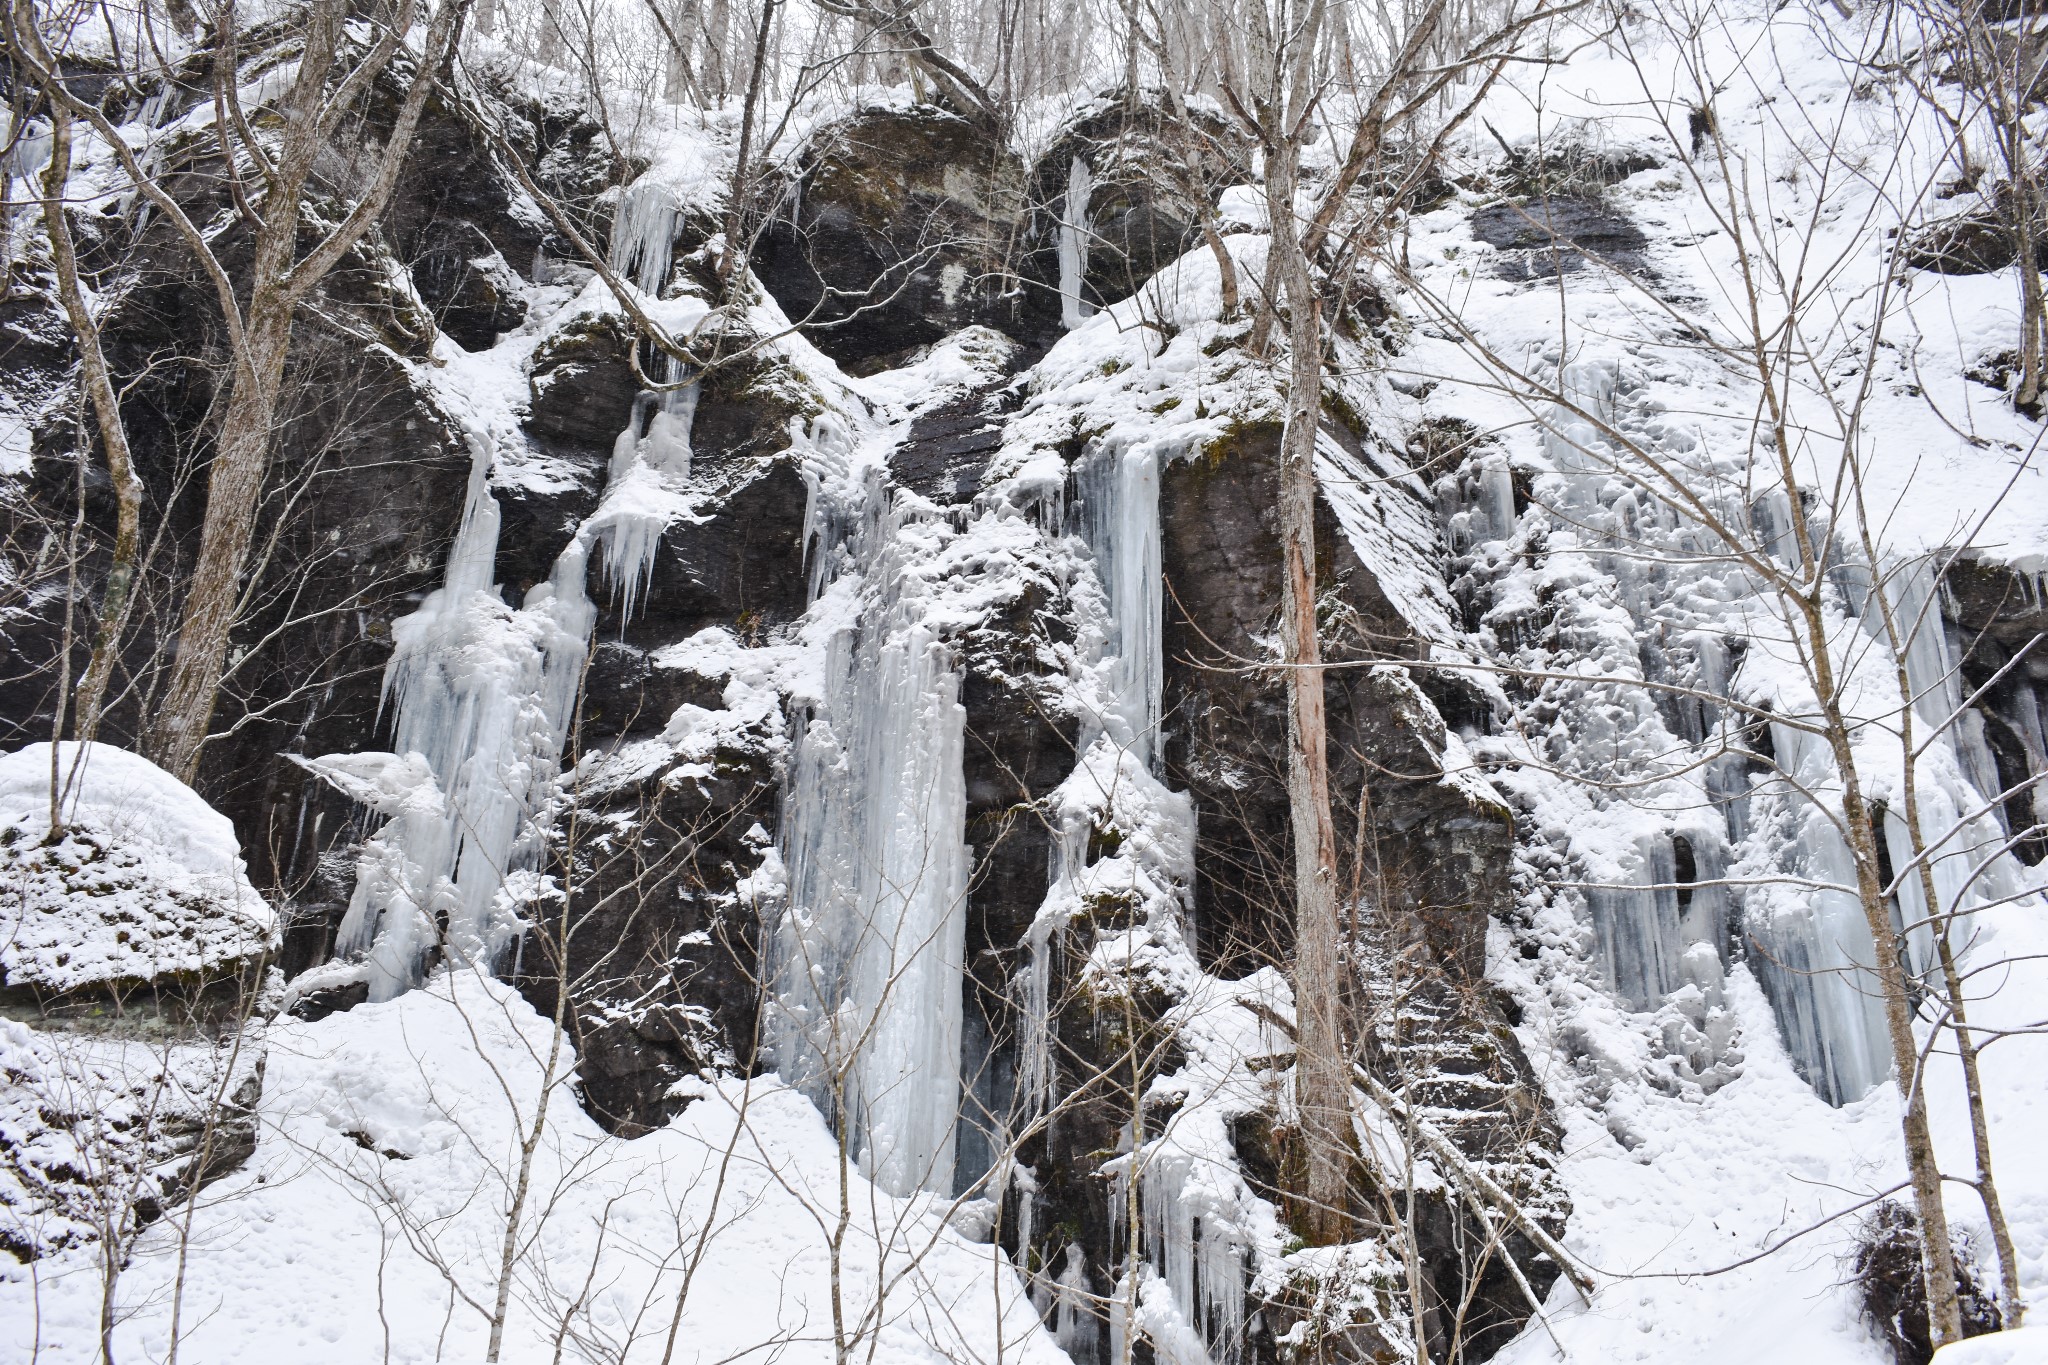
1559,234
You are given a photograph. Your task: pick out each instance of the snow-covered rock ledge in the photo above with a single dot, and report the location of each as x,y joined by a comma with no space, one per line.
142,889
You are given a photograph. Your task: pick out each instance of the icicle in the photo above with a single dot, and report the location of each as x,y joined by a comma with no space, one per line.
1912,590
1119,496
1191,1231
647,489
1771,518
866,958
483,694
1817,956
644,234
1075,1321
1073,244
1640,941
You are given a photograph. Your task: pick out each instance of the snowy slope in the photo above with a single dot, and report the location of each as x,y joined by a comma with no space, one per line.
1693,1145
369,1224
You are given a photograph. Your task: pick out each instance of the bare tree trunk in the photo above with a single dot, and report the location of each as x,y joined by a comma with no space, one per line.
281,277
1321,1076
2033,304
118,597
737,199
717,84
241,458
1944,1312
1767,350
2012,1306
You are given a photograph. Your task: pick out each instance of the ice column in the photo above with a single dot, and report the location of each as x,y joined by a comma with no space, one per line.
1818,958
1073,244
1637,928
866,958
1649,935
1119,496
1075,1325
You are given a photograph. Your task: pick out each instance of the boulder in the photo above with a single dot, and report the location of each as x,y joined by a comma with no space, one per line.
893,229
1144,170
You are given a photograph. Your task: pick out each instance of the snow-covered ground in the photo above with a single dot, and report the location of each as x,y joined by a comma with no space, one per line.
370,1224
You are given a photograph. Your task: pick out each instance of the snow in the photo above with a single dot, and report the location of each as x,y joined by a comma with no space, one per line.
367,1225
2027,1346
147,882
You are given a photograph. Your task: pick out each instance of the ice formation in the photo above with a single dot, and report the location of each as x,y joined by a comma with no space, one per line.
646,492
1814,949
644,233
1073,244
482,693
1661,933
1189,1225
1119,515
865,958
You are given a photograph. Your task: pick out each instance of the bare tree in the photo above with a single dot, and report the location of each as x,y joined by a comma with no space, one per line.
332,79
1983,71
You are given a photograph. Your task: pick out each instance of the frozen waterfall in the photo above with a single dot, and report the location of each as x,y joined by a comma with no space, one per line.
865,959
483,693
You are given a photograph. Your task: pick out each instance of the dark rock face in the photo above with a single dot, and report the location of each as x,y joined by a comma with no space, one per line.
1996,617
582,384
894,232
948,449
1976,241
1967,244
1434,859
1018,748
1435,862
1152,181
663,956
662,950
1559,234
916,213
1450,1041
364,494
473,292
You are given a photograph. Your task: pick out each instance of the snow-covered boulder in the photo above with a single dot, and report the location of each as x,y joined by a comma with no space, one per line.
144,884
2022,1346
